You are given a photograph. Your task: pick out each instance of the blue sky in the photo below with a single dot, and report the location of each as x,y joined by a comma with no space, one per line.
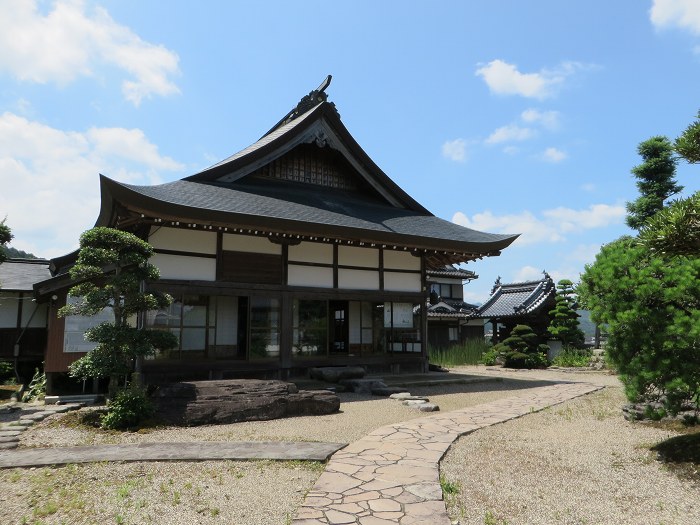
505,116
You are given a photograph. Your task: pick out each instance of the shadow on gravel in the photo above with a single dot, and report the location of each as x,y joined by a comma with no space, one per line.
682,455
496,384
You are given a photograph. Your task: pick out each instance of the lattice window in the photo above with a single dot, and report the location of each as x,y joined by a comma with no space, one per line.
310,165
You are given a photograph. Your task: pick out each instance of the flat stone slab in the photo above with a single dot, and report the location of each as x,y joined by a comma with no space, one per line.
202,451
334,374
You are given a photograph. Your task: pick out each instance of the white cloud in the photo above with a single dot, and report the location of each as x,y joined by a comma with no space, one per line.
510,133
596,216
455,150
554,155
503,78
551,227
50,178
69,42
679,13
527,273
548,119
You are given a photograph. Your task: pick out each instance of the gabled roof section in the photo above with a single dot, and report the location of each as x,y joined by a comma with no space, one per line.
19,275
314,120
517,299
452,272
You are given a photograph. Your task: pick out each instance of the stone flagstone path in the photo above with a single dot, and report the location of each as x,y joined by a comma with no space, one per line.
392,475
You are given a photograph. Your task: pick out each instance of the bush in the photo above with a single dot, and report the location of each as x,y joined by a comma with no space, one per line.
572,357
491,357
521,349
36,389
7,372
127,409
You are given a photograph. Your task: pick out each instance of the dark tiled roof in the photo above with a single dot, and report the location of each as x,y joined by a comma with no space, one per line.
452,272
517,299
300,207
19,275
449,308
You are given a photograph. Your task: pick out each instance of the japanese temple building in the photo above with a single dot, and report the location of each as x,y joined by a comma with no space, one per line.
297,251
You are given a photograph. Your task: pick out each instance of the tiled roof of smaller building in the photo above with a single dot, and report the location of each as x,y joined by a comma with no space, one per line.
452,272
449,308
19,275
517,299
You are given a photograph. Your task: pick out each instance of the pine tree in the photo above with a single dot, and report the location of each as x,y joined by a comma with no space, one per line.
564,325
655,180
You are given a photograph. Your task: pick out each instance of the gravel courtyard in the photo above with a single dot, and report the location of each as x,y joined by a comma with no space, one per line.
579,462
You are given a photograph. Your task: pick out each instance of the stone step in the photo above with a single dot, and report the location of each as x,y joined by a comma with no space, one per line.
9,446
9,439
85,399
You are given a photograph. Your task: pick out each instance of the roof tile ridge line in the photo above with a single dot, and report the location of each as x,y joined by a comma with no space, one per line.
270,136
531,300
489,302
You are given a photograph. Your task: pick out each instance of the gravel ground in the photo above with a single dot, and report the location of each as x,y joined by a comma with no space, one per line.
575,463
608,471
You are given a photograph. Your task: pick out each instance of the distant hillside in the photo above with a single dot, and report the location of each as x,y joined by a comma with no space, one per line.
14,253
586,324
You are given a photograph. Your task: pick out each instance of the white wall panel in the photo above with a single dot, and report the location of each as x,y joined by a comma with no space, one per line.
402,282
354,256
358,279
8,310
248,243
183,240
39,319
313,252
401,260
182,267
309,276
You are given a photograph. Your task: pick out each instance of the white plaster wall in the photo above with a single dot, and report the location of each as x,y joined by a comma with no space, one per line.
39,320
182,240
313,252
182,267
8,310
354,256
358,279
402,282
401,260
250,244
309,276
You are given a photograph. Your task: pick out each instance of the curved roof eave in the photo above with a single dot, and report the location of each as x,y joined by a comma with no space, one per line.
113,191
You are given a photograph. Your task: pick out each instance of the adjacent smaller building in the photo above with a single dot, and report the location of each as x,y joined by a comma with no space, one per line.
450,319
23,321
519,303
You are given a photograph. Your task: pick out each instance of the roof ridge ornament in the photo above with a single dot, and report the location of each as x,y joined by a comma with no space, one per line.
310,101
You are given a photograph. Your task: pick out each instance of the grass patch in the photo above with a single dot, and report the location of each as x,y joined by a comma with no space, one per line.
449,488
468,353
572,358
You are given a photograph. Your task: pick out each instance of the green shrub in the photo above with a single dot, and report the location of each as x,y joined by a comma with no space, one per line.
36,388
491,357
572,357
127,409
521,349
7,372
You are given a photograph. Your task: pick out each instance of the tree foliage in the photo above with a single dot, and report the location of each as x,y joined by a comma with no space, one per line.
564,325
5,237
521,349
651,305
109,272
655,180
675,230
688,143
